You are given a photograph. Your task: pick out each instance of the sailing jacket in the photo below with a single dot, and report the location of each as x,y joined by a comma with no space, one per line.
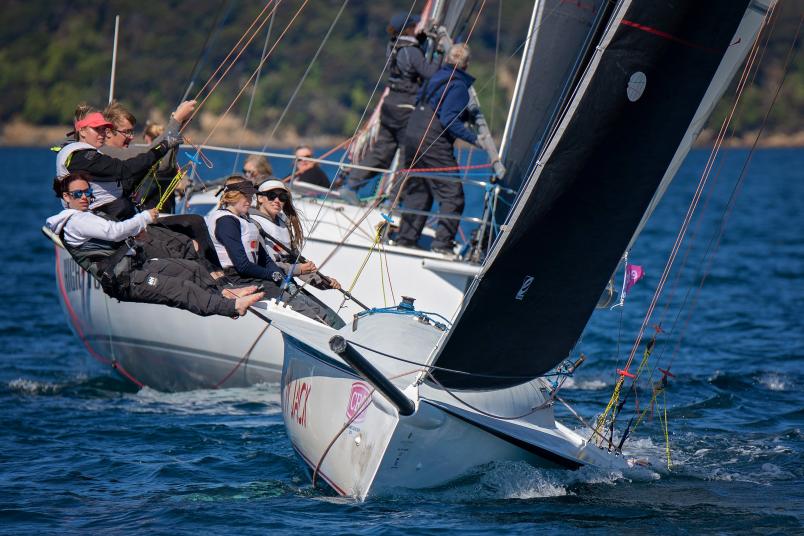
407,65
452,111
97,243
110,176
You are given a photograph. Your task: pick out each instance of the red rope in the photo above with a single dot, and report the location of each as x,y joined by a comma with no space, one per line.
450,168
231,64
248,82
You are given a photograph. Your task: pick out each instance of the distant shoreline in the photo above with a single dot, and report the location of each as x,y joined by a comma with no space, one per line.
230,134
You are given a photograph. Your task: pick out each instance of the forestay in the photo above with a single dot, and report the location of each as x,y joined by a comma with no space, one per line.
596,177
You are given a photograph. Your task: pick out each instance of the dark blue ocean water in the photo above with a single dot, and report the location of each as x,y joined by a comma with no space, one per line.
81,451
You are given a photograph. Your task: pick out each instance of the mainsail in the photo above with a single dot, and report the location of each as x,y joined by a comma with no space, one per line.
628,117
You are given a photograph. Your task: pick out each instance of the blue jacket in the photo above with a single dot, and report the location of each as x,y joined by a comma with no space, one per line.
453,106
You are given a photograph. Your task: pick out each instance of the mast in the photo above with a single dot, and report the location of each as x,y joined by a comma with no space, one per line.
628,120
114,57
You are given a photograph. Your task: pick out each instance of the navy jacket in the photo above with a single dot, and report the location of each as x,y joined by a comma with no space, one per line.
453,106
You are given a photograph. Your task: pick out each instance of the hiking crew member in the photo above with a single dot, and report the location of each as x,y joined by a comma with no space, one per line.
435,150
283,235
104,248
174,232
408,68
111,179
118,142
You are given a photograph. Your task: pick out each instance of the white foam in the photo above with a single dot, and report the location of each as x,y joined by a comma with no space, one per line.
774,382
584,385
31,387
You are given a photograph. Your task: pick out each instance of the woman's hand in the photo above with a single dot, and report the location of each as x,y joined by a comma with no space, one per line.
333,283
306,268
184,111
154,214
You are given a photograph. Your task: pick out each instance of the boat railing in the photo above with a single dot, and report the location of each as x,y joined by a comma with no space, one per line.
485,222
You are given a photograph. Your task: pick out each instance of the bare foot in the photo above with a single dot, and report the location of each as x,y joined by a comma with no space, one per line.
242,304
216,275
238,292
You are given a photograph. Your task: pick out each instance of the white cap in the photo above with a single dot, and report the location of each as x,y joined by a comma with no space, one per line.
273,184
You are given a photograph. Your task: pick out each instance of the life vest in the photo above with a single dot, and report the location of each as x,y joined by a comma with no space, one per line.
104,192
249,236
278,231
399,80
102,259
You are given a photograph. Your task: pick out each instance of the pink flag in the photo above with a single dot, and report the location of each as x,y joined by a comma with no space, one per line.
633,274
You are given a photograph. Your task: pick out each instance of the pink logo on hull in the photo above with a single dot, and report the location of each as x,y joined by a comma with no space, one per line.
358,402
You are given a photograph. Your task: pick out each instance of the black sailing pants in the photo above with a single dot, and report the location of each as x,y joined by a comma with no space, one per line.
434,151
176,283
394,114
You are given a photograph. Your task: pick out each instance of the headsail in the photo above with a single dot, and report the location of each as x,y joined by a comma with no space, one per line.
556,42
628,118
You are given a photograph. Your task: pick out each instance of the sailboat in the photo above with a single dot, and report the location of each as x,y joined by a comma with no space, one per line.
402,399
173,350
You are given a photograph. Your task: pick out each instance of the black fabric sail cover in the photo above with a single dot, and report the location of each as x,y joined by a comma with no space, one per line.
597,176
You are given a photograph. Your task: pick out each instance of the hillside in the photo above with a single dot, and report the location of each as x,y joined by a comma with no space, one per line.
56,54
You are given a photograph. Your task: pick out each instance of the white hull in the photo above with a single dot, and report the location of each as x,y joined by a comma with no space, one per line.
380,451
173,350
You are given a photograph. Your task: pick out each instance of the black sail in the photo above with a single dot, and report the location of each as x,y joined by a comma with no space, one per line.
553,52
578,211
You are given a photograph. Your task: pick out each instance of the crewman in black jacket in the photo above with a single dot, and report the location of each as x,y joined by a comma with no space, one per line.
408,69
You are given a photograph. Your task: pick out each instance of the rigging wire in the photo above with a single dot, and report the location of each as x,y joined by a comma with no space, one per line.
234,60
262,62
207,43
304,76
253,93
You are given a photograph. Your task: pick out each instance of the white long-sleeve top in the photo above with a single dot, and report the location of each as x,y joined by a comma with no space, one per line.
80,227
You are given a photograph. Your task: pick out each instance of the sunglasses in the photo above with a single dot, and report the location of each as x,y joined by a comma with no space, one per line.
77,194
127,133
274,194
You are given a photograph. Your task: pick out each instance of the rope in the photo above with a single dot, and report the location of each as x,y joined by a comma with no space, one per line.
262,62
253,92
244,358
306,73
222,63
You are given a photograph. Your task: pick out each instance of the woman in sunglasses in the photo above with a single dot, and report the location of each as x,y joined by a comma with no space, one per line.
283,230
104,248
109,177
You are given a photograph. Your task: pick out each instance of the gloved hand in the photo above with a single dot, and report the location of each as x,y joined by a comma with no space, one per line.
173,138
443,40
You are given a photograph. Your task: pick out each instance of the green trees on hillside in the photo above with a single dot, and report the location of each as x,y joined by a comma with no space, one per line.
56,54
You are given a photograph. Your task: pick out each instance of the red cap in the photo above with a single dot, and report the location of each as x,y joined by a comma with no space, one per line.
94,120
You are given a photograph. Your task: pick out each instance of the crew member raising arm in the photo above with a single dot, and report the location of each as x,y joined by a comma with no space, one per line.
109,177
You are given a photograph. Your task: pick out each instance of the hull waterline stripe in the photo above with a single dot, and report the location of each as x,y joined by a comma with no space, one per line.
325,477
524,445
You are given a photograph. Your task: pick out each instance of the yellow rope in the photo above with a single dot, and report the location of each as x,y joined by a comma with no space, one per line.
377,238
174,182
150,175
615,397
382,279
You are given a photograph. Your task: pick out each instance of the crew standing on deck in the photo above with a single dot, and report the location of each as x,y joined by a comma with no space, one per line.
408,69
433,127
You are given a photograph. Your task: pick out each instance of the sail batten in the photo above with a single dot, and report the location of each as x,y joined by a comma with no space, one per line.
628,118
